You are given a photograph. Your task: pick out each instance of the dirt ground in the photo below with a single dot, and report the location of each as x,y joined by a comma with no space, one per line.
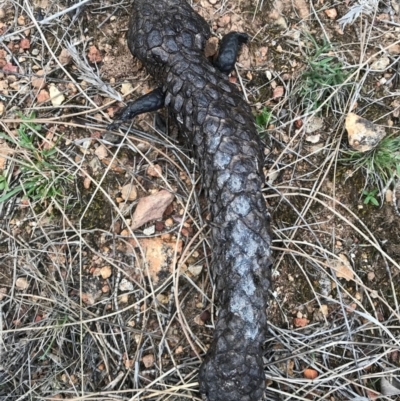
106,287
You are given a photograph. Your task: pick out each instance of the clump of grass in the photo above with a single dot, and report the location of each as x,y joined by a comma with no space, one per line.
263,119
381,166
323,75
40,175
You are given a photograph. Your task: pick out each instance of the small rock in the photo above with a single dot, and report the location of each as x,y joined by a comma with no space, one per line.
324,309
25,44
149,230
65,57
331,13
105,272
101,152
21,20
3,293
154,171
278,92
363,135
310,374
314,124
125,285
21,283
123,299
148,360
43,96
56,97
179,350
2,13
39,80
162,298
300,322
129,192
195,270
380,64
126,88
198,320
94,55
313,138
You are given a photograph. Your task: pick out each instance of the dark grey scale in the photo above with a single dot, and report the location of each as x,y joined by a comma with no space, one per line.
177,103
228,146
169,44
180,66
148,26
187,40
159,55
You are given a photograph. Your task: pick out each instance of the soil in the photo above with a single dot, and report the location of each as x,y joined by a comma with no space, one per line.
93,308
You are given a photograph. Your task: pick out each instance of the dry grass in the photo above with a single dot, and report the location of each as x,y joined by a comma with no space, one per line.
82,316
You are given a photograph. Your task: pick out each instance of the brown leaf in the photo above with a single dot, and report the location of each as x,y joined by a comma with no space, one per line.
343,267
151,208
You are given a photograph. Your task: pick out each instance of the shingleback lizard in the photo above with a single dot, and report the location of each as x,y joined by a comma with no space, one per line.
168,37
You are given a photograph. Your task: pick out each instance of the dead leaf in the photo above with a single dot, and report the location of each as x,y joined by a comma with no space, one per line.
343,267
101,152
151,208
363,135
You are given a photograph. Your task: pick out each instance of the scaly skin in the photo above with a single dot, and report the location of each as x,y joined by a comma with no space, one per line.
169,38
